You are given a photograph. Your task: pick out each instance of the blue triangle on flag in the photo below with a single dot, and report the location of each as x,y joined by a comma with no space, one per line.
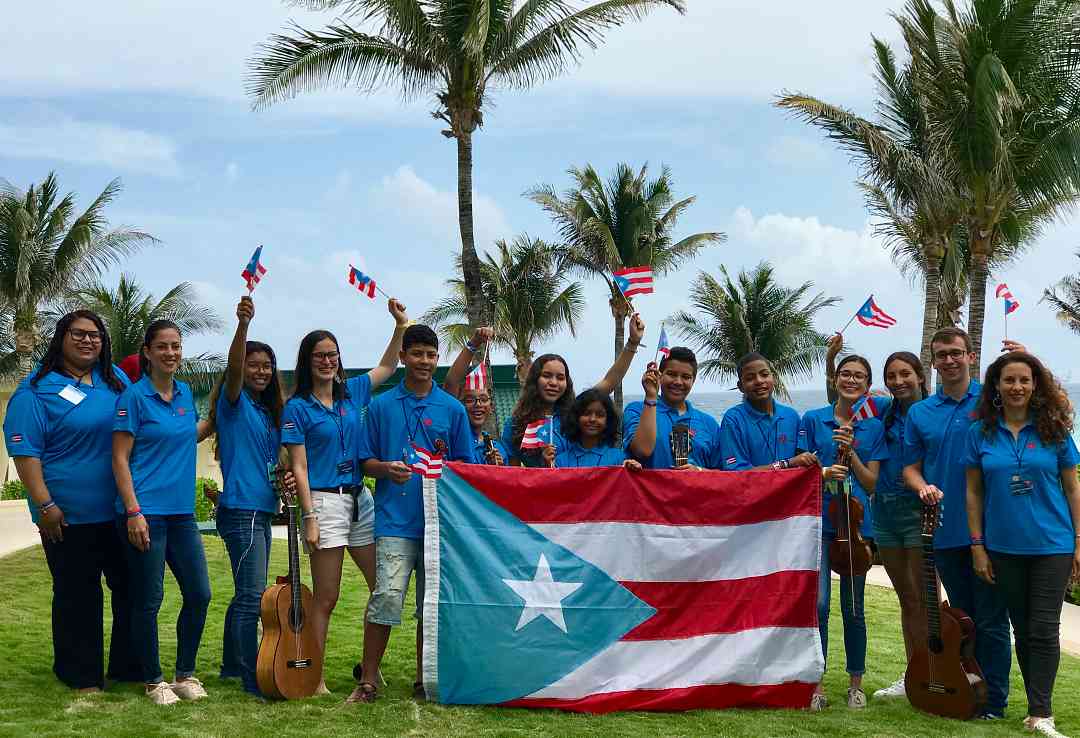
487,652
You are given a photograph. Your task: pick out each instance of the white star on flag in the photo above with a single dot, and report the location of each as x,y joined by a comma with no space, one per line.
543,596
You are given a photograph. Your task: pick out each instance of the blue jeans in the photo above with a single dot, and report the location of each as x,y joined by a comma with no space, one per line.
853,613
985,604
246,534
174,540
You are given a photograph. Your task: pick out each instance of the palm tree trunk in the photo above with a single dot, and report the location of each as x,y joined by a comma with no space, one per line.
479,313
524,361
930,314
25,337
618,312
977,300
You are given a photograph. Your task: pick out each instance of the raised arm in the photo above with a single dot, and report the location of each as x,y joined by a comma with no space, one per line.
234,372
463,362
618,370
388,363
643,442
836,345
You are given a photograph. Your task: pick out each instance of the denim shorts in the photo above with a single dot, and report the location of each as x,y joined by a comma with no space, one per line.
335,515
898,520
395,561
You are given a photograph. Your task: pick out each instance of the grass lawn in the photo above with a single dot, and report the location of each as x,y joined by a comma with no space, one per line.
34,703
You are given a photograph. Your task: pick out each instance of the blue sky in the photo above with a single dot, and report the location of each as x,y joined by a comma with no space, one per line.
154,95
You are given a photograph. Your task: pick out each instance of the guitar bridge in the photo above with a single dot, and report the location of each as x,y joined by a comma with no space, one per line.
934,688
298,664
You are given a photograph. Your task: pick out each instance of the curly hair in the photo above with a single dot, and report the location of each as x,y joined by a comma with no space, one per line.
54,354
1049,404
571,427
530,406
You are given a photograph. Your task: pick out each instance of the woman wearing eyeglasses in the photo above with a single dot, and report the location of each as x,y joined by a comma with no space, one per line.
320,428
59,431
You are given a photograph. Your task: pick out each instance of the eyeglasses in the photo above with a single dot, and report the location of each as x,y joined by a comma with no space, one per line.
476,401
325,357
955,355
78,335
852,376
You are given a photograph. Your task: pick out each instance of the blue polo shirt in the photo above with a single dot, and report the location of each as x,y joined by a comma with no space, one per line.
1036,521
704,434
247,441
396,419
749,437
72,437
869,443
163,456
330,436
575,456
480,450
935,433
533,457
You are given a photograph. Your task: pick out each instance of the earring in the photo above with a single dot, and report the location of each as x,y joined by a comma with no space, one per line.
997,401
1036,401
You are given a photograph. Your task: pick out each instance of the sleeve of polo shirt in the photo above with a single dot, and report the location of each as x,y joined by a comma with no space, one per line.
914,448
970,455
714,460
126,417
226,408
293,427
1067,453
879,448
631,420
734,455
508,438
360,389
25,425
805,441
368,442
461,440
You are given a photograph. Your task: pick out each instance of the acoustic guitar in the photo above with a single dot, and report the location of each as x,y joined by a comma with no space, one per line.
943,677
681,445
290,661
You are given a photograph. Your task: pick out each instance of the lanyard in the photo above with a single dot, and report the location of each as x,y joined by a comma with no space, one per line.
339,422
417,425
268,438
1019,448
770,447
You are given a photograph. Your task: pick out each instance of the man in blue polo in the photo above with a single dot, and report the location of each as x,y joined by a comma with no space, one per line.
759,433
415,414
647,425
934,443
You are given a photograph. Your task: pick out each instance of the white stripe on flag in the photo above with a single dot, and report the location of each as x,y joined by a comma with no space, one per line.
641,552
430,624
756,657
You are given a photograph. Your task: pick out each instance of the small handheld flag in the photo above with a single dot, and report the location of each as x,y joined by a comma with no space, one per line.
254,270
662,346
1011,303
363,282
531,437
634,280
477,379
427,464
864,409
872,315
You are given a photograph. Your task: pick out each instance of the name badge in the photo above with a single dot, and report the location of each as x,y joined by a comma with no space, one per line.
73,394
1020,486
345,467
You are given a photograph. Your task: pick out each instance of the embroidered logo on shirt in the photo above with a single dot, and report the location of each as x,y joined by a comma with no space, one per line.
121,413
802,433
289,426
973,414
782,438
180,411
855,443
427,421
16,438
1031,444
730,460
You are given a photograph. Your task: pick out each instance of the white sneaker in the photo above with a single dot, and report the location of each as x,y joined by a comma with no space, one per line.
161,694
896,689
189,689
1043,725
818,702
856,698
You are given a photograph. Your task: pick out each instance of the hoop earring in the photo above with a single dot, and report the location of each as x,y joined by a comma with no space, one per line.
997,401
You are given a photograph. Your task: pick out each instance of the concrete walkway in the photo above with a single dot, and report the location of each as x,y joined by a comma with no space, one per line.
18,532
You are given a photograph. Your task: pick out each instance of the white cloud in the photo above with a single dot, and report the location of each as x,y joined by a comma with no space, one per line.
91,143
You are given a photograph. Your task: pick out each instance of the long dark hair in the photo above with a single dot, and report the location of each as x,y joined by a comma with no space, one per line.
271,398
1050,405
571,427
916,366
530,407
54,355
151,333
304,363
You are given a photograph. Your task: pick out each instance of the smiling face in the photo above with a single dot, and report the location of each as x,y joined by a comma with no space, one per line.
478,406
165,351
952,360
82,344
420,361
676,381
756,381
1016,385
852,381
324,361
902,380
552,381
593,420
258,371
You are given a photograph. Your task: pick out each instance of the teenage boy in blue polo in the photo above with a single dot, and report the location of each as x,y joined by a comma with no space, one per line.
759,433
935,435
415,413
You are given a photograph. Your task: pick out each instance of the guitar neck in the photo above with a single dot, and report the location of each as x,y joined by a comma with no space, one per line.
294,560
930,590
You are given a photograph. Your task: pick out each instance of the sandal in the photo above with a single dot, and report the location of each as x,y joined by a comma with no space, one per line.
364,692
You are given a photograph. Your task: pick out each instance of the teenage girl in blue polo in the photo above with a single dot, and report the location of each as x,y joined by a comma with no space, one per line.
590,431
1023,510
155,432
320,428
245,408
822,432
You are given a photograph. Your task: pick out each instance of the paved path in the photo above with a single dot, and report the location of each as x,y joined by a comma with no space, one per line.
17,533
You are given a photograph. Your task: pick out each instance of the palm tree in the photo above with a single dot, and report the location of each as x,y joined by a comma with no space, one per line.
451,49
1001,80
45,249
627,221
732,319
524,285
128,310
1064,297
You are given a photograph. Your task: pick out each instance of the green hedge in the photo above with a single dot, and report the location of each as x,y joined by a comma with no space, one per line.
13,490
203,506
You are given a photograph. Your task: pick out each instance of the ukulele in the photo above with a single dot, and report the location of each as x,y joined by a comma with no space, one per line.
943,677
849,553
290,661
680,445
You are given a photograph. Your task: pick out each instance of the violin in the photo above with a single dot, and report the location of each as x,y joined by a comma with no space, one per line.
849,553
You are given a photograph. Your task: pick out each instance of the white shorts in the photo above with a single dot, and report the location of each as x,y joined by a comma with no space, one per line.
335,515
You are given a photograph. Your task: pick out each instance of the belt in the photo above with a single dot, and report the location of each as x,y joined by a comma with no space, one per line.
343,489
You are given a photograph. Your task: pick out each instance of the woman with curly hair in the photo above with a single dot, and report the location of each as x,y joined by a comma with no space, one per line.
590,429
1023,507
548,392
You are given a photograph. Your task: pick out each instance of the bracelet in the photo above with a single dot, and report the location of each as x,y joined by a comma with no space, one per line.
471,347
652,403
784,464
134,512
309,515
775,466
46,506
977,541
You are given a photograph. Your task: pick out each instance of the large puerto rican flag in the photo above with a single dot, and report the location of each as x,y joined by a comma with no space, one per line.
601,589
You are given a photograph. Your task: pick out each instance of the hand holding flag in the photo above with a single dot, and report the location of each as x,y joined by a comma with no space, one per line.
254,270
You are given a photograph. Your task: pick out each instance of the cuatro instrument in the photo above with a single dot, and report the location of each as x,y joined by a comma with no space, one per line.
849,553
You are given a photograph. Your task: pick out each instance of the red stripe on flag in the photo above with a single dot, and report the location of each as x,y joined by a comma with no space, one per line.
786,599
794,695
673,498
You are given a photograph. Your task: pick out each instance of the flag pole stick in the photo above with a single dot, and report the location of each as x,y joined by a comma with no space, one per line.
656,355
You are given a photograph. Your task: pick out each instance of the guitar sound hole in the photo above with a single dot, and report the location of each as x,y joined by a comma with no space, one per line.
935,645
